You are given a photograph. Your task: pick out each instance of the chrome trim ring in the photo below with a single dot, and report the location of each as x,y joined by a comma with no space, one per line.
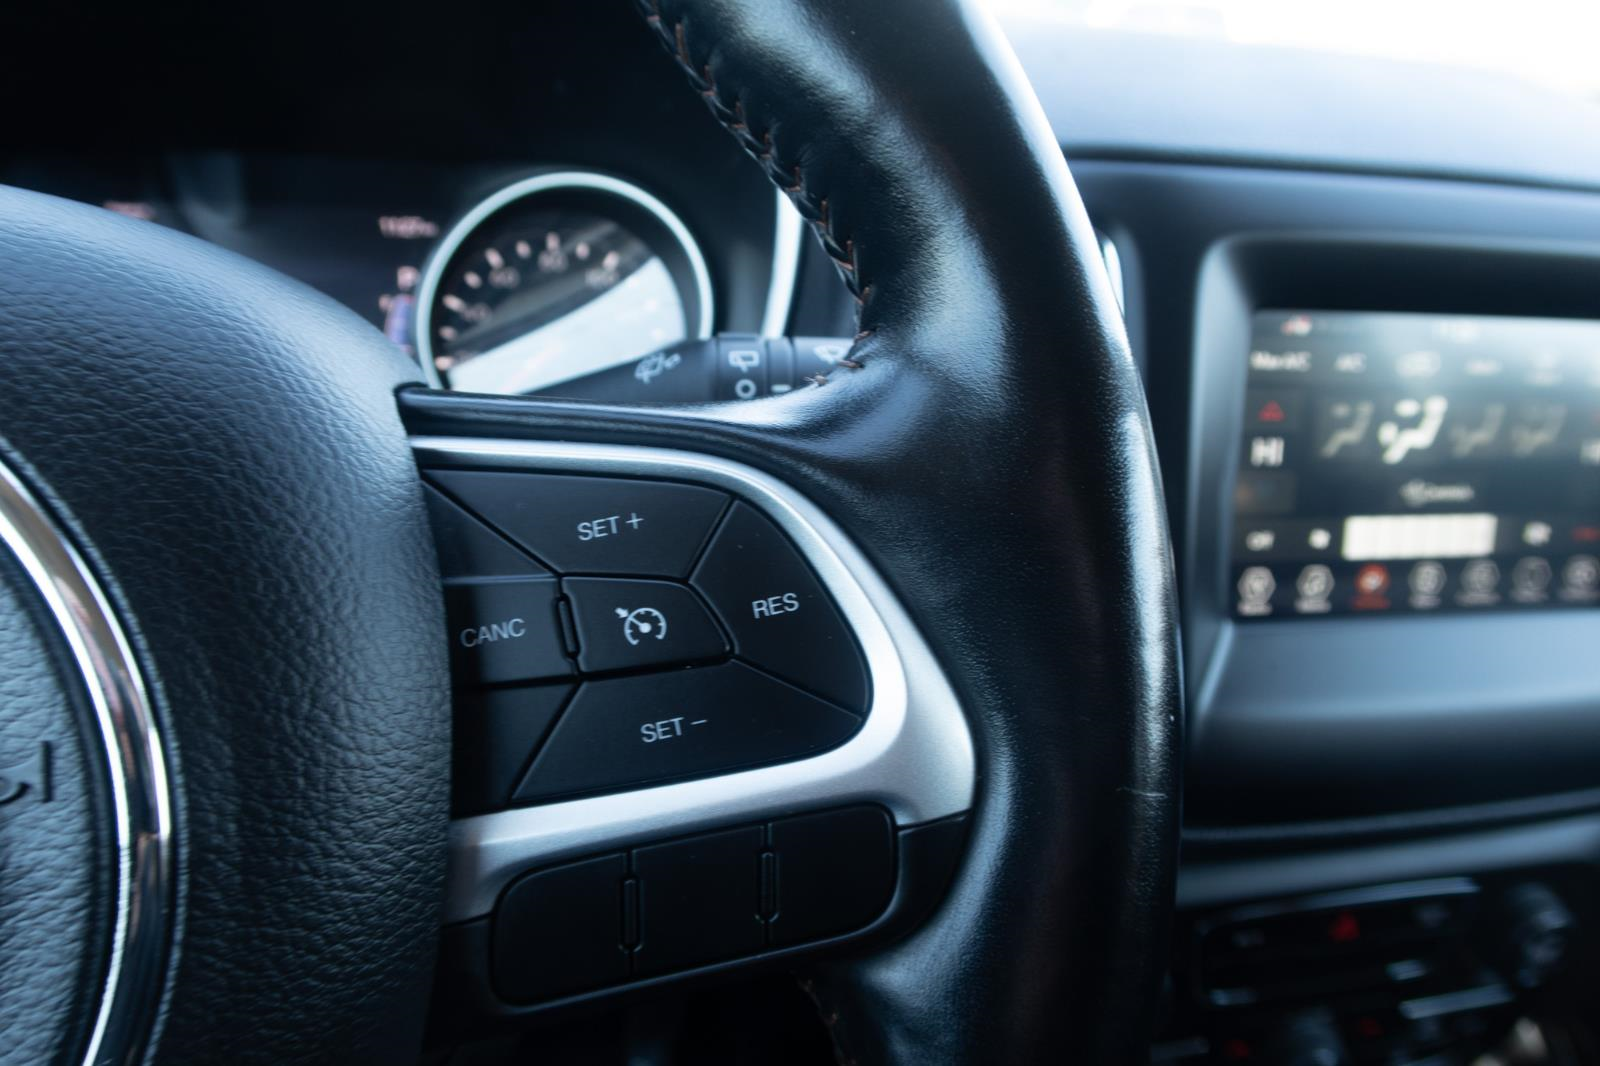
788,232
1113,263
135,762
450,243
914,755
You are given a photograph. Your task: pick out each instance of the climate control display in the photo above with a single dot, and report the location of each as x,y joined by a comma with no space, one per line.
1397,462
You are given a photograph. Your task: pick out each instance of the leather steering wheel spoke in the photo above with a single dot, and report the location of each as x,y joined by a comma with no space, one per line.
988,449
222,450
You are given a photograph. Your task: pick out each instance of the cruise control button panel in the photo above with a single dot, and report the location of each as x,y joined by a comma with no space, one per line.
610,633
658,727
593,525
626,625
780,617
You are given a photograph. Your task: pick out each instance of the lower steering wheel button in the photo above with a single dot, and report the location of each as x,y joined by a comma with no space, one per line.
635,731
505,630
622,625
559,931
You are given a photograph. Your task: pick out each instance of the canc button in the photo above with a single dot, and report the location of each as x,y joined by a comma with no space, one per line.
504,630
687,723
776,609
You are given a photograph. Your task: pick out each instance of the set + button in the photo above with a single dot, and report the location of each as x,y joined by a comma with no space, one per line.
593,525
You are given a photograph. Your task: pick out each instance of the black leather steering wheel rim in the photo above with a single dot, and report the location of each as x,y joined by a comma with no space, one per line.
987,444
223,448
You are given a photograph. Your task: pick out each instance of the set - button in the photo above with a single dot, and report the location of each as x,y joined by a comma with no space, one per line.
687,723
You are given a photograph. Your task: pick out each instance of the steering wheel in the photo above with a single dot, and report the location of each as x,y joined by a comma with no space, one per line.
224,785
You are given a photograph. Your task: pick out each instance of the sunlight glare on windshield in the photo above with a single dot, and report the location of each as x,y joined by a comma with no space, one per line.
1550,42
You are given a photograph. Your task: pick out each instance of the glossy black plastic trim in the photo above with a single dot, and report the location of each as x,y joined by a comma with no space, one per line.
1206,883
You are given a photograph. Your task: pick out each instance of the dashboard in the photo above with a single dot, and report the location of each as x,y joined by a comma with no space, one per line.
1372,359
497,278
1373,371
1407,462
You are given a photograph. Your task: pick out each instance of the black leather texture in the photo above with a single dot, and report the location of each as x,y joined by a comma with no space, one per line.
57,847
987,444
223,445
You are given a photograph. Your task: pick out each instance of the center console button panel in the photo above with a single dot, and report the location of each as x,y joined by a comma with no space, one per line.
1423,971
732,653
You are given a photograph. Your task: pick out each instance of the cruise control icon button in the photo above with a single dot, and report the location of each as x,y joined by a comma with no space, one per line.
780,617
633,731
623,625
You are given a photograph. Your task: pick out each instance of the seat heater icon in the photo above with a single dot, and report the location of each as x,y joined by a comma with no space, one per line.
642,623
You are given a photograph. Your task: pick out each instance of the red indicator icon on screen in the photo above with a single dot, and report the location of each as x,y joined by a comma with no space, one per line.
1372,586
1586,534
1345,928
1271,411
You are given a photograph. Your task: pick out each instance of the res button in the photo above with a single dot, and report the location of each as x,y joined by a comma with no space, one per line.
780,617
593,525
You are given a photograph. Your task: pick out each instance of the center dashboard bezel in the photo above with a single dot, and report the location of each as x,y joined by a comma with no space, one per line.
1289,707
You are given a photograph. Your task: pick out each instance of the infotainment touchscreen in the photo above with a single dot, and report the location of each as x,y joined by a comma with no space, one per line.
1413,463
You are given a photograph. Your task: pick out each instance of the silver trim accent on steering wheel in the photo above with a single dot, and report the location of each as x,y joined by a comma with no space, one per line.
788,234
135,762
914,755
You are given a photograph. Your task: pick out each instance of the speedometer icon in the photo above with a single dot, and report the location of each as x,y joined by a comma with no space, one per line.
642,623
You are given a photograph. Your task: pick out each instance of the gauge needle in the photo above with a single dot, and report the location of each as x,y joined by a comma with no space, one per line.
600,334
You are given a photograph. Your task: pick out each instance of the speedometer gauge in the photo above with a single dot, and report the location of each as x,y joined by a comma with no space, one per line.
556,277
